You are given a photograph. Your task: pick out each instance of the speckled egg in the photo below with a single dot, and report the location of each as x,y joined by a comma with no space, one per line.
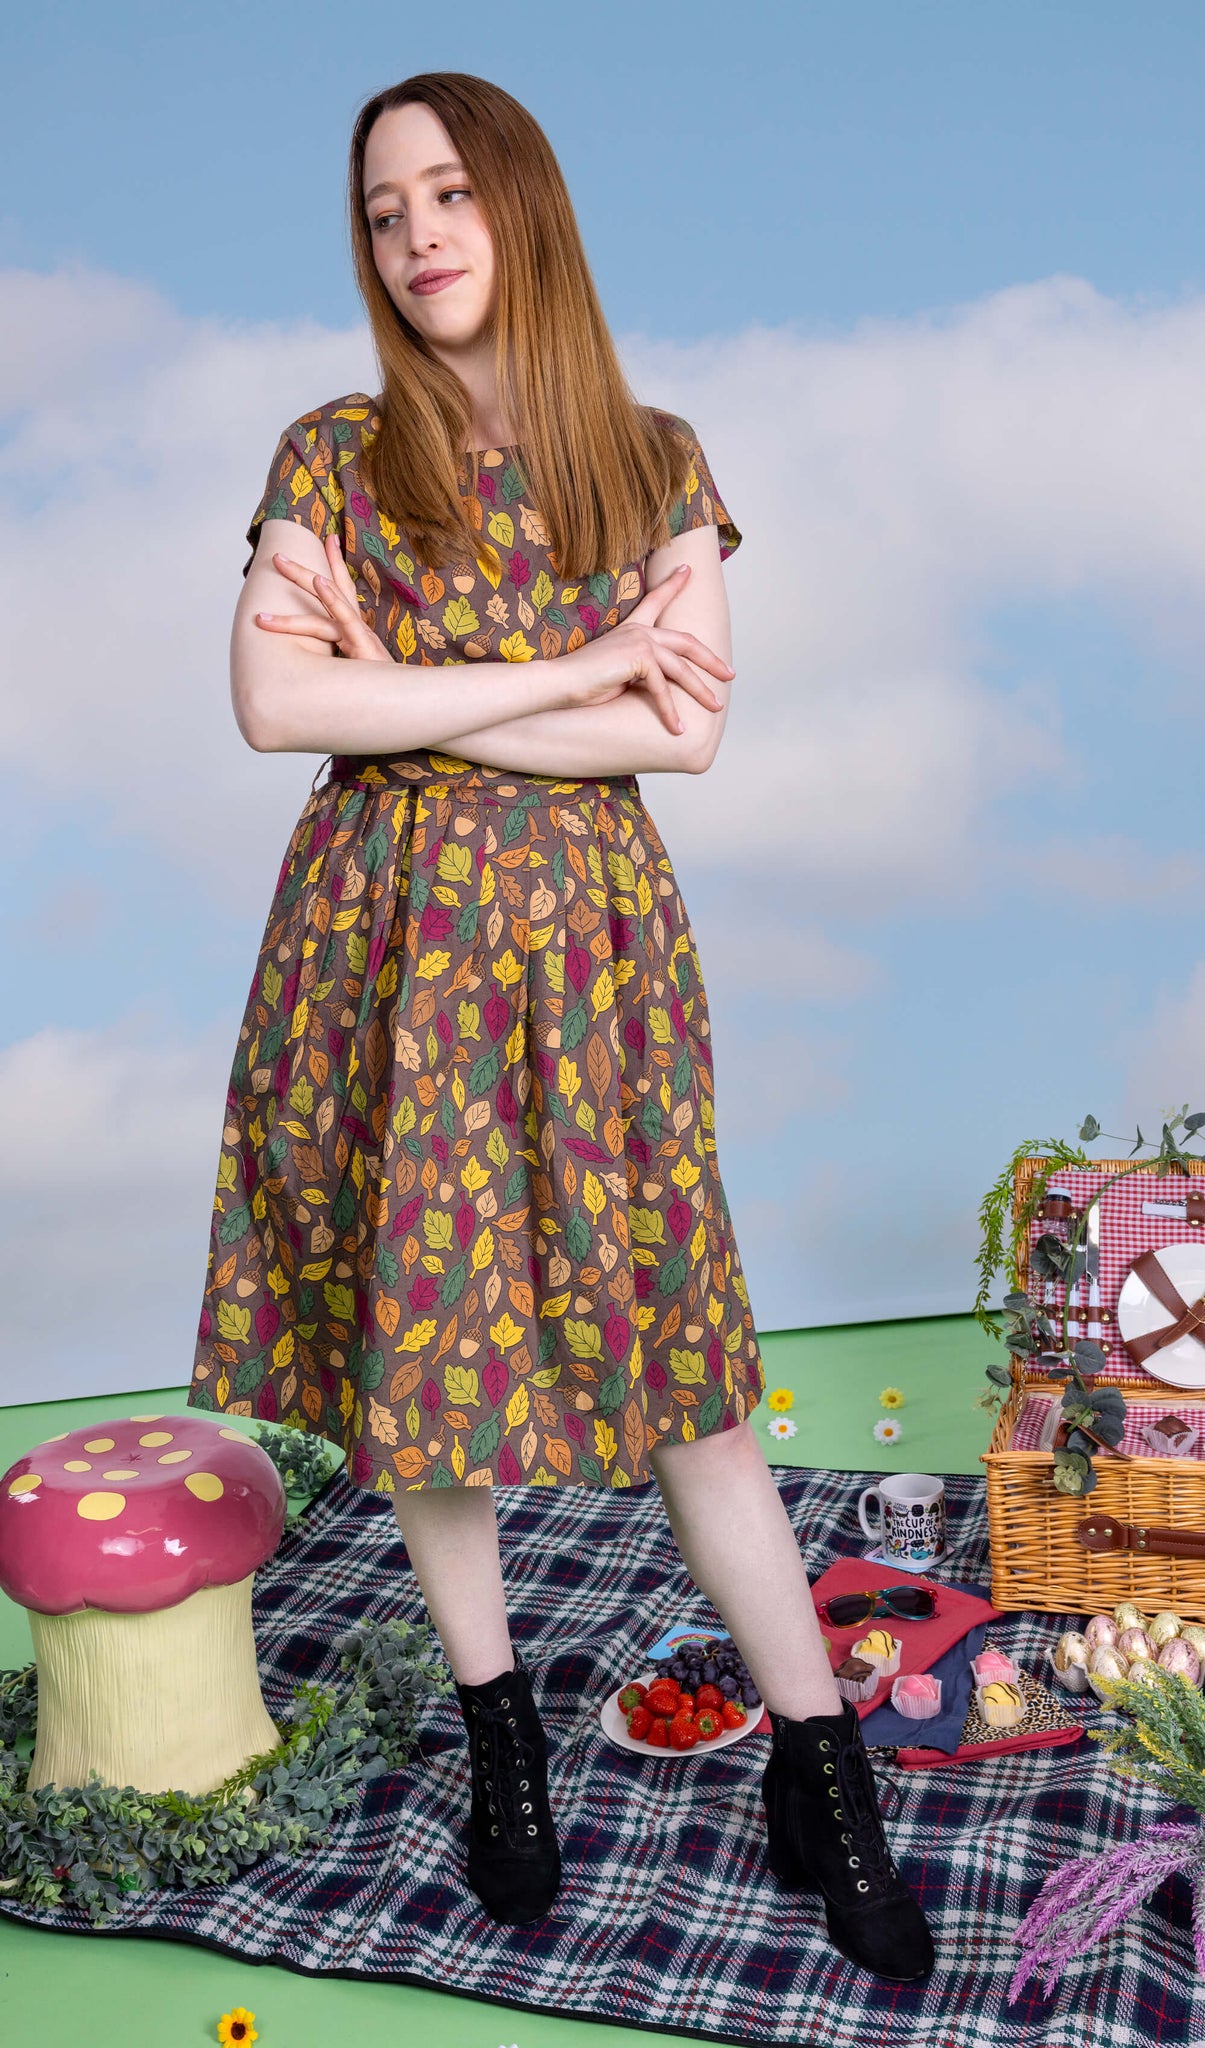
1163,1628
1126,1615
1102,1632
1135,1645
1071,1648
1177,1655
1104,1662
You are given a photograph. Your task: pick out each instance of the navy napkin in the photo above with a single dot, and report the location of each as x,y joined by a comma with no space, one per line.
943,1730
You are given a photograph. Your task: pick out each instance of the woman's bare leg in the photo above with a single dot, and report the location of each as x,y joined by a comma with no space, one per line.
451,1534
738,1545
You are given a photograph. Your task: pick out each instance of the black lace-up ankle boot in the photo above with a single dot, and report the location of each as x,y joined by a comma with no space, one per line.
514,1859
826,1835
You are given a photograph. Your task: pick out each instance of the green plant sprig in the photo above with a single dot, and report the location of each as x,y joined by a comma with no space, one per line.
1163,1744
96,1846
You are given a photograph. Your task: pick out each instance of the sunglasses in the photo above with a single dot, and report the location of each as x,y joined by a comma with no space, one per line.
906,1603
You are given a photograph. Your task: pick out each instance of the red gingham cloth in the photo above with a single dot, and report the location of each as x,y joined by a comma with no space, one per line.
1125,1233
1036,1408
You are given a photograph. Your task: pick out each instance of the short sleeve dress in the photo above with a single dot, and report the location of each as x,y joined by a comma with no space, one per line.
469,1222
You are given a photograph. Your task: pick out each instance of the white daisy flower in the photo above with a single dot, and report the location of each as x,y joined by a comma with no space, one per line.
887,1431
781,1428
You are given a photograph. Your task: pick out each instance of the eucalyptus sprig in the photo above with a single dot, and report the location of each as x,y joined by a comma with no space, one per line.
96,1846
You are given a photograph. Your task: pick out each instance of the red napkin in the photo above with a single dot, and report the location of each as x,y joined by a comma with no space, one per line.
923,1641
970,1752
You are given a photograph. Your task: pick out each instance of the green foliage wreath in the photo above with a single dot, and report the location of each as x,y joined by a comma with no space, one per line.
97,1846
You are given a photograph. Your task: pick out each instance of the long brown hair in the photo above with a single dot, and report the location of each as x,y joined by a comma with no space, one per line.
602,469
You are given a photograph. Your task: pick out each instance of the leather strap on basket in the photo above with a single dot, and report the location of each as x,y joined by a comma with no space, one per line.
1187,1321
1106,1533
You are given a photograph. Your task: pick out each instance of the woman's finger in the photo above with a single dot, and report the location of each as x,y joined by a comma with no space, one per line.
698,650
683,674
299,622
654,601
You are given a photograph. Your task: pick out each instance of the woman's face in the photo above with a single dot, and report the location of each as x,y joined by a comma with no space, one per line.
423,218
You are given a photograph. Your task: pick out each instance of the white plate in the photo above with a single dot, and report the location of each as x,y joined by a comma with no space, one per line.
615,1727
1182,1364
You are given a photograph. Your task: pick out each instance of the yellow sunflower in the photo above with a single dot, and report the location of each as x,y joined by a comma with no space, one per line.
891,1397
238,2026
780,1399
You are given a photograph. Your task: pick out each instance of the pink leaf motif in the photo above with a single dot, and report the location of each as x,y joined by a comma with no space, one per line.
267,1321
495,1378
519,570
578,963
655,1375
715,1357
589,617
421,1292
679,1216
430,1396
361,1466
466,1224
508,1467
617,1332
497,1014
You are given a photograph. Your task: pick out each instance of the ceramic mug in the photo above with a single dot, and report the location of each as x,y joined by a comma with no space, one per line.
911,1518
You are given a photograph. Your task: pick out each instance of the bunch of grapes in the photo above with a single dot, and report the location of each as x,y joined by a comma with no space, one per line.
714,1662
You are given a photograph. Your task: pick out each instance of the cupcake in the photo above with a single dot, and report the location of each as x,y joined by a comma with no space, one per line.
882,1649
992,1666
1001,1705
1171,1436
917,1695
857,1679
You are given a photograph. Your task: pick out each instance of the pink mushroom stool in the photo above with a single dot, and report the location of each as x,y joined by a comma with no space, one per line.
134,1546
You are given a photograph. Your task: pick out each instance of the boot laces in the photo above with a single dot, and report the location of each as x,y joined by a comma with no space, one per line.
859,1800
509,1773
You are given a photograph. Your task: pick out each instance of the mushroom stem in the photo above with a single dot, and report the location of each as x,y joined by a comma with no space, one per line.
168,1701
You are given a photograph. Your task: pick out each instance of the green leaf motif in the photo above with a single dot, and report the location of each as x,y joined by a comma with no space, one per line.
483,1072
485,1439
673,1274
233,1228
343,1208
574,1025
340,1300
454,1280
709,1413
376,849
579,1238
611,1392
387,1265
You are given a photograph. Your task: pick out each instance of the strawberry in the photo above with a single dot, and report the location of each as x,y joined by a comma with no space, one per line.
632,1696
708,1723
683,1734
687,1702
662,1696
639,1722
733,1714
709,1696
658,1735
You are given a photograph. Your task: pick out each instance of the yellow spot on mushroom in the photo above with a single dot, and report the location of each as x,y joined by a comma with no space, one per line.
60,1438
206,1485
125,1472
26,1483
156,1437
174,1457
101,1443
78,1465
100,1507
146,1418
236,1435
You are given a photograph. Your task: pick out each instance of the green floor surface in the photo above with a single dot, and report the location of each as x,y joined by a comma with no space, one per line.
62,1990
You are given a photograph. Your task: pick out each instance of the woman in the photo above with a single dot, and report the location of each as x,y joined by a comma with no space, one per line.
469,1218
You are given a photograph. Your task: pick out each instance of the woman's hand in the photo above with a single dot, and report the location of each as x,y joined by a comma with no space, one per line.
343,624
641,653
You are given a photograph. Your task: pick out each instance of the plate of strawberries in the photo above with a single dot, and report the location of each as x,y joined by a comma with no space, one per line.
706,1703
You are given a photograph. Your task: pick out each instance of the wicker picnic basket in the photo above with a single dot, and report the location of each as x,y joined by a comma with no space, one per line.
1055,1553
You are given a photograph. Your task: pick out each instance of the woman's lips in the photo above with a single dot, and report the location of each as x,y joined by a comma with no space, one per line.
435,280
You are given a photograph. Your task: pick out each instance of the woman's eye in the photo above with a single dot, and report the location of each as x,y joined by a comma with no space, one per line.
452,192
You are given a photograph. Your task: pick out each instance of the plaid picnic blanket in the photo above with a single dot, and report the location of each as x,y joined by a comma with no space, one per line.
667,1917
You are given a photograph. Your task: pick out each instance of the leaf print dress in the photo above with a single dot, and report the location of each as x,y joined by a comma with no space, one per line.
469,1221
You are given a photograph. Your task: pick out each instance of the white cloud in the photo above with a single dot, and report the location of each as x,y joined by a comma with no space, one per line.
1164,1058
109,1143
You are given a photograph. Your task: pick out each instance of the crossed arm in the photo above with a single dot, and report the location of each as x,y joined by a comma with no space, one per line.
288,697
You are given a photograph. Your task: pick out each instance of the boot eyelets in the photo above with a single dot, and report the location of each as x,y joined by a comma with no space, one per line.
527,1806
493,1830
855,1863
829,1769
523,1785
531,1830
510,1720
862,1885
833,1793
826,1746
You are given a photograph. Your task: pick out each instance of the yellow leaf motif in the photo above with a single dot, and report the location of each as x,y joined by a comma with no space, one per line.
502,529
507,970
516,648
455,863
517,1407
432,965
623,874
605,1445
568,1080
660,1026
458,1090
437,1229
698,1242
282,1350
458,1458
459,617
228,1169
684,1174
272,983
418,1336
234,1324
594,1195
223,1388
462,1386
556,1303
278,1282
547,1376
505,1333
407,640
487,883
483,1250
468,1020
475,1176
347,1400
646,1225
602,995
490,566
585,1338
688,1430
687,1367
541,590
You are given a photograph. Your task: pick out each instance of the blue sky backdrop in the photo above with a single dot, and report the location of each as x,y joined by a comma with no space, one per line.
930,282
